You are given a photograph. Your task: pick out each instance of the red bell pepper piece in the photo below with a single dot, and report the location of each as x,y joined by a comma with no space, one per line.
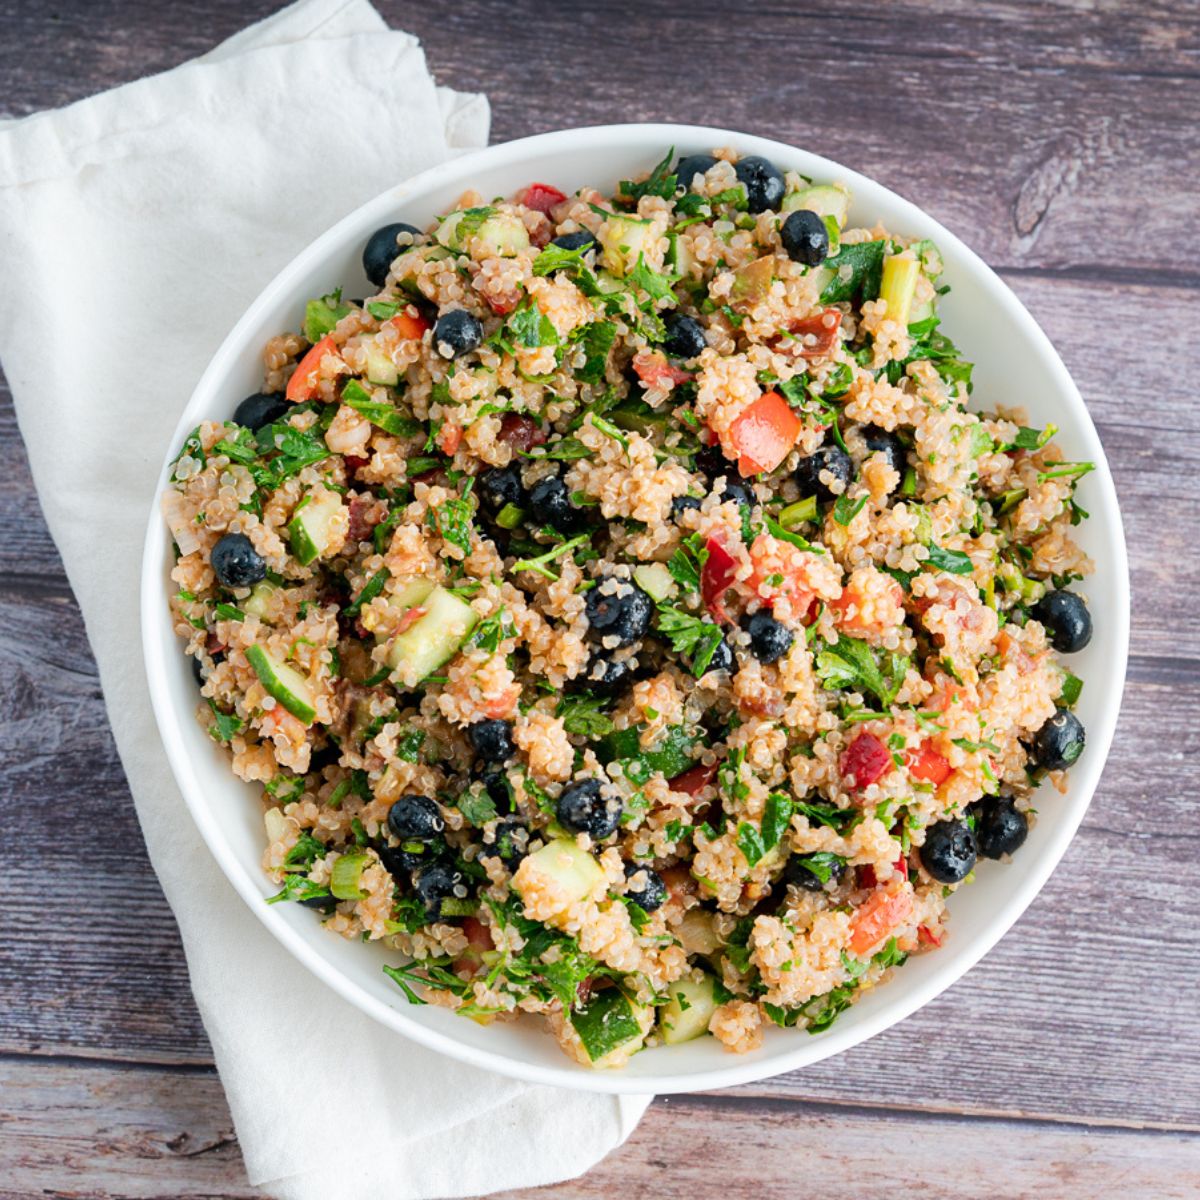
926,764
764,433
541,197
409,326
303,383
716,578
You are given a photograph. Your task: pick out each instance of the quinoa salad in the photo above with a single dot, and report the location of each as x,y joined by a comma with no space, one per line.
629,617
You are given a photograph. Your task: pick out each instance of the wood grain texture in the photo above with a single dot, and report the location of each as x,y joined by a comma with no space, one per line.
1059,140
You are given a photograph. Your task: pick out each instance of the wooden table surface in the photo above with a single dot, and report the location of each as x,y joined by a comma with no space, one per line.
1059,140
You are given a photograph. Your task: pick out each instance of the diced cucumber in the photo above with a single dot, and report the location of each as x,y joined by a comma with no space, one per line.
500,233
679,258
310,527
411,595
453,232
285,683
623,239
612,1026
380,368
654,579
686,1015
563,866
432,640
344,878
825,199
899,282
320,316
921,312
259,600
504,235
696,933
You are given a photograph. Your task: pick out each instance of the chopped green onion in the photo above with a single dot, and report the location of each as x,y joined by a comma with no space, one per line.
344,879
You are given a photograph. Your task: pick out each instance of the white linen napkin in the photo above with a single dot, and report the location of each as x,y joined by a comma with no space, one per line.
135,227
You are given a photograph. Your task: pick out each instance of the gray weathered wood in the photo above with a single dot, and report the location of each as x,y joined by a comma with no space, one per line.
1060,141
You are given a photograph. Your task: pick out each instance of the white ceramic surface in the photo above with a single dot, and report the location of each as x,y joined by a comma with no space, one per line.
1015,365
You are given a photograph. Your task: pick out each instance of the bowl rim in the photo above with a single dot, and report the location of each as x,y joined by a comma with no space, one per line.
637,137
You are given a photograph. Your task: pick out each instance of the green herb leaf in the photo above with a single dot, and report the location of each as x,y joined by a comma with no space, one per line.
750,842
953,561
845,509
850,664
777,815
225,725
857,272
583,715
661,182
691,637
822,864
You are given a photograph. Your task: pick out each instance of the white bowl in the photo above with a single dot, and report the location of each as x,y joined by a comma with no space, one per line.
1015,365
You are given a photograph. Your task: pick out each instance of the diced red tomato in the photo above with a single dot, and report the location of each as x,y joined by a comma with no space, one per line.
303,383
449,437
409,326
764,433
926,764
927,937
503,705
867,760
868,879
541,197
815,336
877,917
716,578
694,779
655,372
520,432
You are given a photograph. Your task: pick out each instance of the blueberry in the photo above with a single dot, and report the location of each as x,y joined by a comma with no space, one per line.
687,168
879,441
1000,826
608,676
711,460
616,608
805,238
723,658
381,249
949,851
582,809
236,562
828,458
1067,620
197,670
647,890
799,875
260,409
769,639
1059,742
685,336
763,181
507,841
401,861
499,486
325,904
457,332
415,819
550,504
436,883
682,504
741,493
492,740
582,239
496,784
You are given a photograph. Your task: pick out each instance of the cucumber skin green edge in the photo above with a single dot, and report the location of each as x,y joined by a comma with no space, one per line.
264,668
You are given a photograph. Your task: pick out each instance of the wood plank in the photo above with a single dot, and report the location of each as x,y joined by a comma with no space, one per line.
95,1131
1030,131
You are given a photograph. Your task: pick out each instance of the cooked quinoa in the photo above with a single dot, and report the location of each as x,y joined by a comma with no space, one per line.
628,618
